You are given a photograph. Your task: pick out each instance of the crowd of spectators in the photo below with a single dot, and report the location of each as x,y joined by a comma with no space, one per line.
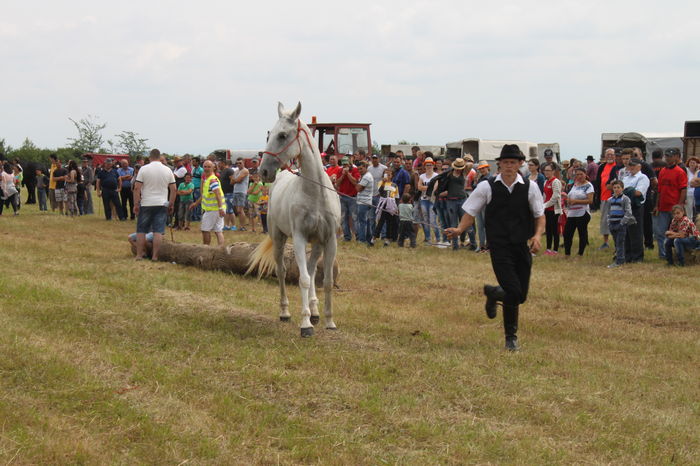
415,197
636,200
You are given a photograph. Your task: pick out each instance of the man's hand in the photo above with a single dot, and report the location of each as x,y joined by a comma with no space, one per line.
452,232
222,213
171,209
535,244
137,208
99,193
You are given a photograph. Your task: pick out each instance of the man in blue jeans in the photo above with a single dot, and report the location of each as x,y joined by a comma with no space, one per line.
345,183
154,199
364,186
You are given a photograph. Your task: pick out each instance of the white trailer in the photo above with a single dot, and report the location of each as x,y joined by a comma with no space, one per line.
647,142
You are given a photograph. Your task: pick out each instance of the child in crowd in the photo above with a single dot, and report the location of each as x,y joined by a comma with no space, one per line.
42,185
262,207
682,234
386,208
254,193
619,218
406,221
184,191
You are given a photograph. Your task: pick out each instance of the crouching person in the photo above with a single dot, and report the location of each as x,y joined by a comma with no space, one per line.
682,234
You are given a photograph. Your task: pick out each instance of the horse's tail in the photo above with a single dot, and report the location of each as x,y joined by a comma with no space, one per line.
263,258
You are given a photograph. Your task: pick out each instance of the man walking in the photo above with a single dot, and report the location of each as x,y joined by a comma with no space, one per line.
108,186
212,202
154,200
514,223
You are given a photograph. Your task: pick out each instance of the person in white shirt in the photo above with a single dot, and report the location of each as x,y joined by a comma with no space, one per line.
426,204
514,224
154,200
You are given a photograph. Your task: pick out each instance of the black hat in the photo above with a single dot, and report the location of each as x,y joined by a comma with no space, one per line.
590,157
672,151
511,151
635,162
548,153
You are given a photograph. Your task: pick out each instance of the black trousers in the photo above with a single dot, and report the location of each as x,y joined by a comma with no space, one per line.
573,224
648,227
552,229
392,226
406,231
634,241
111,197
127,195
512,264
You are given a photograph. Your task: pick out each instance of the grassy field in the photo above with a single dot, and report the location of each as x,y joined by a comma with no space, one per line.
104,360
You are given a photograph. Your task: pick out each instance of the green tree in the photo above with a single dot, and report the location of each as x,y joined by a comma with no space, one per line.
376,149
129,142
89,134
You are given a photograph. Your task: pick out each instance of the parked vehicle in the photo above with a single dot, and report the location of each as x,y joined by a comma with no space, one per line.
647,142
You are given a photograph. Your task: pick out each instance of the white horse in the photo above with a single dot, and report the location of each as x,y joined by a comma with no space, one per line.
305,207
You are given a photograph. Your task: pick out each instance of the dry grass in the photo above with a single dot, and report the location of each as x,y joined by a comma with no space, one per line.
105,360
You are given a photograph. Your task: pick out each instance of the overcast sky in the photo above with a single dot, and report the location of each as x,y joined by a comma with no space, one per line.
197,76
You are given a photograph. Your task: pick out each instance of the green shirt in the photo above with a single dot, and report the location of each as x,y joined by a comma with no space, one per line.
257,187
186,187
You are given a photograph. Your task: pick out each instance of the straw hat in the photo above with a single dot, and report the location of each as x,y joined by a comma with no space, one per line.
459,164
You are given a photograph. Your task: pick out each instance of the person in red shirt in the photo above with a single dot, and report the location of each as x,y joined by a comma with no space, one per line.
345,183
672,188
607,173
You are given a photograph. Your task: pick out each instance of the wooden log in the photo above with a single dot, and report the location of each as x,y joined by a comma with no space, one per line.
232,258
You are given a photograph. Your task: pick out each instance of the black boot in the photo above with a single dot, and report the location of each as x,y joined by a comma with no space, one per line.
493,295
510,326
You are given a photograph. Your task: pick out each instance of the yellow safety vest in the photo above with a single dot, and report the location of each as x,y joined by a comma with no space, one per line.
209,201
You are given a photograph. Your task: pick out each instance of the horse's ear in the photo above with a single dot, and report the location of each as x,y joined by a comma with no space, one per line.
280,109
295,114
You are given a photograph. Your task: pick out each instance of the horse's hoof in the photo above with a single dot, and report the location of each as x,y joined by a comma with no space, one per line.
285,318
307,332
331,328
315,320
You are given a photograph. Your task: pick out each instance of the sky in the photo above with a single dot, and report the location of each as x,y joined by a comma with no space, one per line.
198,76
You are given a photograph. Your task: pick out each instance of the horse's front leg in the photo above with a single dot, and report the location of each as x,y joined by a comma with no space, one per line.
316,251
307,329
328,262
281,275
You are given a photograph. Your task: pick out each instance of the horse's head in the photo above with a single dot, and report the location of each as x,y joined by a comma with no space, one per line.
283,143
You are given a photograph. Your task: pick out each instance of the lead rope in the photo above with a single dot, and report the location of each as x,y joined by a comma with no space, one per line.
351,197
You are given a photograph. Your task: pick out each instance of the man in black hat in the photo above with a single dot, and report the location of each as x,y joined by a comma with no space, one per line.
515,222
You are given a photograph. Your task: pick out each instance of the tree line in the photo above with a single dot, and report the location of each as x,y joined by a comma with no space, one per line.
88,140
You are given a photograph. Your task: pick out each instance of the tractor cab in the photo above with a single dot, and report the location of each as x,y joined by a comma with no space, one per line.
341,138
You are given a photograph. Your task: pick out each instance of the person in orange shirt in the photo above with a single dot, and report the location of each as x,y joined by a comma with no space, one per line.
607,173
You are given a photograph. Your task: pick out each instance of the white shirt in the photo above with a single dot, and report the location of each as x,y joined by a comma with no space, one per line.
155,178
640,182
364,197
481,196
377,173
181,172
425,180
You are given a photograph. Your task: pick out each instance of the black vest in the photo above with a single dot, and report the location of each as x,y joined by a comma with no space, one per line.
508,217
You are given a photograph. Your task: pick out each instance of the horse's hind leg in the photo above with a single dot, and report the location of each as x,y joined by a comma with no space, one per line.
328,260
307,329
279,240
316,251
